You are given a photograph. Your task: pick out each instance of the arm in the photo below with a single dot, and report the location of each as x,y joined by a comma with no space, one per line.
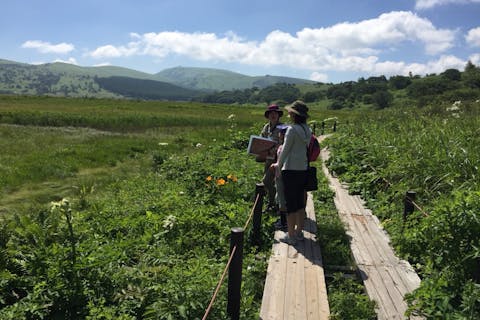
287,146
265,130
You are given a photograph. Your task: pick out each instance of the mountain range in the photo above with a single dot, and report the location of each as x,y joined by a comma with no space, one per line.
179,83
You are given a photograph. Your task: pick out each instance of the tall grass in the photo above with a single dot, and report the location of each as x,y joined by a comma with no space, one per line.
435,152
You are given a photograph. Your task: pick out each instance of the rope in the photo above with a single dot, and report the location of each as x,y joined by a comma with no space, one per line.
220,282
251,212
222,278
425,214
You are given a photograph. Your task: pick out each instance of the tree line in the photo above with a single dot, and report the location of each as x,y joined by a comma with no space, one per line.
377,91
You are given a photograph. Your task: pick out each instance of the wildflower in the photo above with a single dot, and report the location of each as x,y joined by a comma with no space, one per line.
232,116
209,178
232,177
169,222
198,145
163,143
221,182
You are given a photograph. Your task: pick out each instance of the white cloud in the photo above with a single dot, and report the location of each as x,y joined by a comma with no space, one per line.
320,77
343,47
110,51
475,59
46,47
428,4
473,37
439,65
70,60
103,64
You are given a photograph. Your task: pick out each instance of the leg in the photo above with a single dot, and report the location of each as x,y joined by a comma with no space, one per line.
269,183
300,222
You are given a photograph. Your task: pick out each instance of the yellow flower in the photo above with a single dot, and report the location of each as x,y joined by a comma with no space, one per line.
209,178
232,177
221,182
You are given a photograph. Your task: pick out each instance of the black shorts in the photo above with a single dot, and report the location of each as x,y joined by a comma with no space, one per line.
294,186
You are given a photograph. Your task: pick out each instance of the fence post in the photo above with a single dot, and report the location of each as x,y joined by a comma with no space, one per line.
323,127
235,273
335,126
256,236
408,204
476,273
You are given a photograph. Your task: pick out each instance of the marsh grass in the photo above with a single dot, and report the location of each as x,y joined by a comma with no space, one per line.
47,142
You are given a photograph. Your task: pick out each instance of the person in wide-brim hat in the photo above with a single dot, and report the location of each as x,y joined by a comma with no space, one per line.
299,108
273,108
270,130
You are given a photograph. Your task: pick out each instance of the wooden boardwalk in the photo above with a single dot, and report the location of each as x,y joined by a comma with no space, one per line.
295,286
387,278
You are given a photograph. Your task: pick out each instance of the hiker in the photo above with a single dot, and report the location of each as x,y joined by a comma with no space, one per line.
270,130
281,224
293,163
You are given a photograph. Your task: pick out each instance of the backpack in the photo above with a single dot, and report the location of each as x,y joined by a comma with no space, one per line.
313,149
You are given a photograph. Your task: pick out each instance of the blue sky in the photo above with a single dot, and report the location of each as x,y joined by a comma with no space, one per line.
328,41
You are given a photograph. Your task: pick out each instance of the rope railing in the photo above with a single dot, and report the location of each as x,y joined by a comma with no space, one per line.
425,214
252,212
230,259
219,284
409,197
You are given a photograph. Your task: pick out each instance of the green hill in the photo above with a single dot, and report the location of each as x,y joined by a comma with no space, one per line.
145,89
63,79
220,80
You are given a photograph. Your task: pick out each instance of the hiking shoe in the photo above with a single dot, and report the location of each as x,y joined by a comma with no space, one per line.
290,241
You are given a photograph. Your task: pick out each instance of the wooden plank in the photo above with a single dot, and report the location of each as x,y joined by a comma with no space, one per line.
300,296
387,278
295,286
274,289
290,290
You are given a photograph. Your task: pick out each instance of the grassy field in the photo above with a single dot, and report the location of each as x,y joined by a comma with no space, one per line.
115,209
52,145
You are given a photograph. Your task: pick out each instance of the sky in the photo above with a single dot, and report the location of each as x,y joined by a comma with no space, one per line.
329,41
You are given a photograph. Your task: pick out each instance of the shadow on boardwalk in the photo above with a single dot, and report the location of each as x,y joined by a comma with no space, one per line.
295,285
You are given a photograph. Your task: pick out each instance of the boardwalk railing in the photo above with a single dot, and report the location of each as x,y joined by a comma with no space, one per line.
235,262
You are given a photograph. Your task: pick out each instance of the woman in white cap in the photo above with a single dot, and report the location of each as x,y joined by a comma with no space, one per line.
293,164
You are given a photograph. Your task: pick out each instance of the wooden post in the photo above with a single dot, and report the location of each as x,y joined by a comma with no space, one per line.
235,273
335,126
256,235
408,204
476,272
323,127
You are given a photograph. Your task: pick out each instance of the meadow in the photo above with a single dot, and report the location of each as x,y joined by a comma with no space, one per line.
115,209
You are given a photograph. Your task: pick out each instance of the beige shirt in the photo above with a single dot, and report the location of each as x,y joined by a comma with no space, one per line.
294,151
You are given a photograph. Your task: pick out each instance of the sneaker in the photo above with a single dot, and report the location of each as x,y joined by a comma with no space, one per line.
290,241
300,236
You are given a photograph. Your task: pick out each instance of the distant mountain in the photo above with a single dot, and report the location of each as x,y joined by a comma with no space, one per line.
62,79
146,89
219,80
